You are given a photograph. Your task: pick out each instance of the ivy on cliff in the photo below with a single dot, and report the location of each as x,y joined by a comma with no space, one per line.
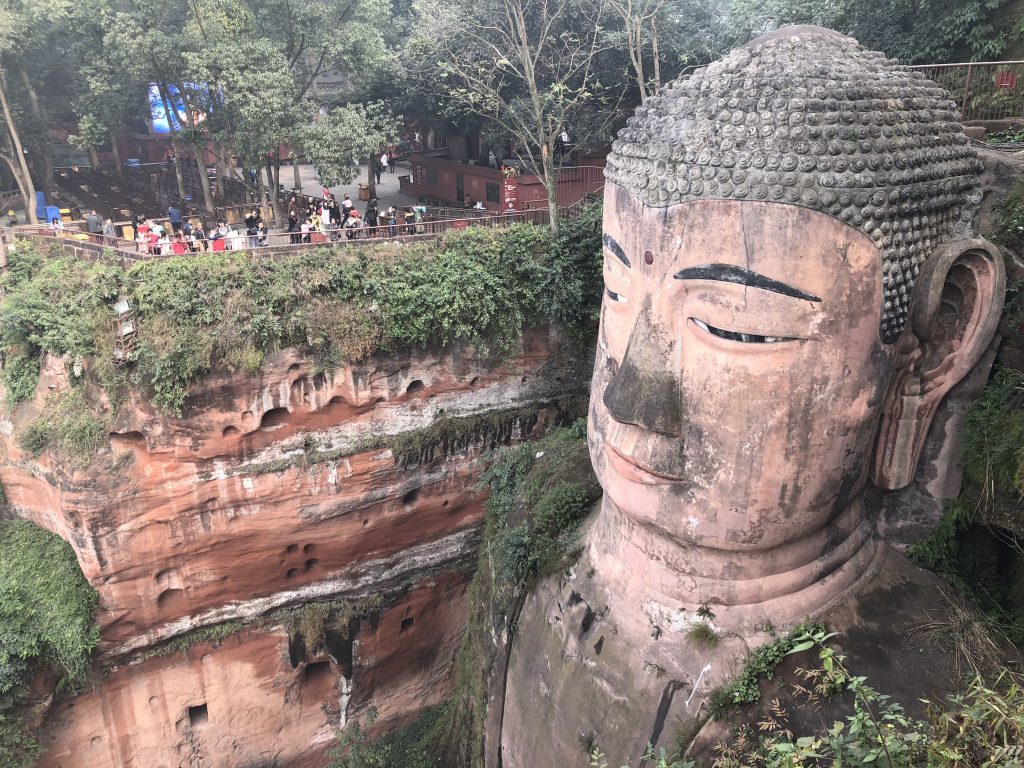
482,287
46,618
540,492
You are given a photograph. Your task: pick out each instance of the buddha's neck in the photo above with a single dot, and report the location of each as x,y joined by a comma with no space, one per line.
783,584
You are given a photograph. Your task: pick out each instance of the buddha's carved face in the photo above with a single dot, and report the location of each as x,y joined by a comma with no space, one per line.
739,373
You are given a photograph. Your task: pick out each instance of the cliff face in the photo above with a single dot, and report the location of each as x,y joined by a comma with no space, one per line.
275,491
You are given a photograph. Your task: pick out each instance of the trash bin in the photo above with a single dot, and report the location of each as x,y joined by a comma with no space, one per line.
364,191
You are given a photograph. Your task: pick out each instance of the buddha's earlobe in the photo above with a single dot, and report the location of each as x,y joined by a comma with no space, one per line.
958,300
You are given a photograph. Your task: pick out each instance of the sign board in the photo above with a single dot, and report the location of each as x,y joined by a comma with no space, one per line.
510,194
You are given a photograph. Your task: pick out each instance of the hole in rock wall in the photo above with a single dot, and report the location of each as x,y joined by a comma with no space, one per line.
135,439
365,523
170,600
340,647
407,623
229,431
275,417
154,700
318,675
95,741
293,367
311,564
309,548
474,381
198,715
410,497
292,548
291,573
414,387
599,645
524,379
446,503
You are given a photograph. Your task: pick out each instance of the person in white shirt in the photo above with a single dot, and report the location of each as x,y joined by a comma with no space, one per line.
384,161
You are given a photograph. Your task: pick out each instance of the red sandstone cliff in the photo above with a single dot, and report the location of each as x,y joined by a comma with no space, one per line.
264,495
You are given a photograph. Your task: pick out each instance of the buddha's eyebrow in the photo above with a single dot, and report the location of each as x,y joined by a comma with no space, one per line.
727,273
614,247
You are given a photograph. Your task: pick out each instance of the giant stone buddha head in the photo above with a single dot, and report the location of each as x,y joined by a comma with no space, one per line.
792,286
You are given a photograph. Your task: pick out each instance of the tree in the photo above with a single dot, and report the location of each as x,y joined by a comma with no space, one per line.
529,68
336,141
913,31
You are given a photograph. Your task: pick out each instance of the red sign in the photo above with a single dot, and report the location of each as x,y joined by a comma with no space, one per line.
510,190
1006,80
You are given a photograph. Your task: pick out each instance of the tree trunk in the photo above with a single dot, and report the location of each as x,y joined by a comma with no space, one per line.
171,117
272,183
371,177
179,176
550,184
296,175
199,153
117,155
18,178
94,159
654,53
46,174
28,188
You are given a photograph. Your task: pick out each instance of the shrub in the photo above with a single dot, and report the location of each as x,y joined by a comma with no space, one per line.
68,426
480,286
46,616
540,493
21,374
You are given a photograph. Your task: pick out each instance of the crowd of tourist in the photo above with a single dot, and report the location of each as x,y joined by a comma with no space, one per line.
327,217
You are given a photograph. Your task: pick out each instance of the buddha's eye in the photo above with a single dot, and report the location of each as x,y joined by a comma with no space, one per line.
746,338
615,296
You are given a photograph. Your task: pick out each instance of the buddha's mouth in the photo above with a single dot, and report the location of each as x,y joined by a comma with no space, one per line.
630,469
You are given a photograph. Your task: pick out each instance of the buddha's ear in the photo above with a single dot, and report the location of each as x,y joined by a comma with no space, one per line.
958,299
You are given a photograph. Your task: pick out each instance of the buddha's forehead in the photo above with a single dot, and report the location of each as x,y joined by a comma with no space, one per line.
789,244
808,118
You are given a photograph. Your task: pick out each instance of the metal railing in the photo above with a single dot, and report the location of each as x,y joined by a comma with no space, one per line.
985,90
277,242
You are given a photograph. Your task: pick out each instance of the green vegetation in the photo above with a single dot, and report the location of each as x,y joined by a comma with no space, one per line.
983,727
975,547
408,747
661,759
46,619
535,488
68,426
313,621
540,492
1008,226
760,664
480,286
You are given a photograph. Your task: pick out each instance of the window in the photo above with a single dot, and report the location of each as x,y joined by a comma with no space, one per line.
493,193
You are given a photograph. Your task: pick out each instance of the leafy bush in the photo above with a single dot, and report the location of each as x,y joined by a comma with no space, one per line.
21,374
760,664
1009,220
69,426
46,616
479,286
982,727
406,748
540,493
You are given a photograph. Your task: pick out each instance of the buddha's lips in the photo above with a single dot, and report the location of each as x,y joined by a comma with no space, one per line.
631,470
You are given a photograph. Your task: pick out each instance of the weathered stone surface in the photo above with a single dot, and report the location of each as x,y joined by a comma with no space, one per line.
268,493
236,500
245,702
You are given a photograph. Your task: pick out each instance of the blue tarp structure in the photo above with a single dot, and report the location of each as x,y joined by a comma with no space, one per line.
41,207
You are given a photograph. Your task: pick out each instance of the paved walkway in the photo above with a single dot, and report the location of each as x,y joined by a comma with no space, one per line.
387,191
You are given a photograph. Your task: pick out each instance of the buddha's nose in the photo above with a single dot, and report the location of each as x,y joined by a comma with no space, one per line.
645,389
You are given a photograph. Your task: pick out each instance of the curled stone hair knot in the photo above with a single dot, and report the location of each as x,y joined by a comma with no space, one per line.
806,116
